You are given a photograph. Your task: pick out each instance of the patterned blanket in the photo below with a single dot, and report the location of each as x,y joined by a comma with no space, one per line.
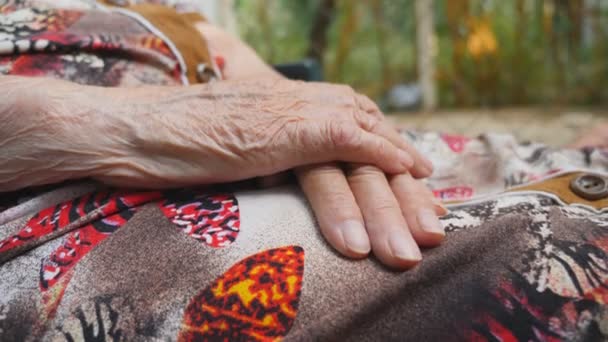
525,258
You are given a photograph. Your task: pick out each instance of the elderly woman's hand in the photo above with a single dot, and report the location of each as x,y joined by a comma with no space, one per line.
358,207
232,130
158,137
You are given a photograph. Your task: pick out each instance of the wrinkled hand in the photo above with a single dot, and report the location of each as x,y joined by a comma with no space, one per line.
360,210
158,137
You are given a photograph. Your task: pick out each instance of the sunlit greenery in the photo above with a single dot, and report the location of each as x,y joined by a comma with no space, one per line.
489,52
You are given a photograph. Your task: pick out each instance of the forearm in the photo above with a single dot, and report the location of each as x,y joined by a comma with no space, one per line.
53,130
156,137
49,132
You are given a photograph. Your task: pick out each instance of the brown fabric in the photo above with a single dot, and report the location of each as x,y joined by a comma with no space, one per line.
180,29
560,186
193,17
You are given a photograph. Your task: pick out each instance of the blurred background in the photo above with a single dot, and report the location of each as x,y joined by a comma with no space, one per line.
534,68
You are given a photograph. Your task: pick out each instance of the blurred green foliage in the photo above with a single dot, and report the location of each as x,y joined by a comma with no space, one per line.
489,52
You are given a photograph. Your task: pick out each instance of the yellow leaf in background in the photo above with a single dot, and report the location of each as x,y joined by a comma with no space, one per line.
481,41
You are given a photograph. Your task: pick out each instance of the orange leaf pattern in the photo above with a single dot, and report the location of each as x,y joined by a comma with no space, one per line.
256,299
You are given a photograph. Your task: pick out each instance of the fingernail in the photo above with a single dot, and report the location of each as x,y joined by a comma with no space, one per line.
406,159
428,221
440,209
355,237
403,248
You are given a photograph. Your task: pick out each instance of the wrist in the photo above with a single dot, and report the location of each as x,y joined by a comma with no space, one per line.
44,133
137,131
86,131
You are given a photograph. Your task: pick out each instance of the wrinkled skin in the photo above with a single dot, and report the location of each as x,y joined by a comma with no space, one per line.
363,209
159,137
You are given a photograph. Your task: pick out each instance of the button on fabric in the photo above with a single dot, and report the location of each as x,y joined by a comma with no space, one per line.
205,73
590,186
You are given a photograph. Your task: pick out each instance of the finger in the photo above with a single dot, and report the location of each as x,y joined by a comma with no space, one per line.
422,166
420,209
389,235
335,208
350,143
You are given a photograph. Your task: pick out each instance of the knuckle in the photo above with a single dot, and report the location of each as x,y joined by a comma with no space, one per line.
385,205
344,89
350,90
326,170
370,123
344,135
381,149
341,203
365,172
364,175
365,102
369,101
346,95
